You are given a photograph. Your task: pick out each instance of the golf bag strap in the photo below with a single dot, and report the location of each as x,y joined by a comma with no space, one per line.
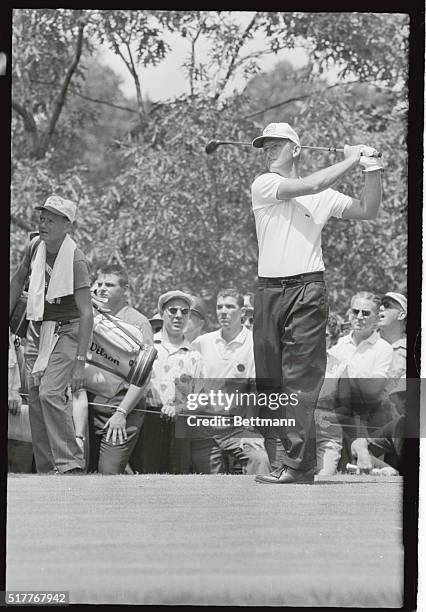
123,329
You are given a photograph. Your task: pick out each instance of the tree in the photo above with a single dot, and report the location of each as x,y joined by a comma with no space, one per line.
175,217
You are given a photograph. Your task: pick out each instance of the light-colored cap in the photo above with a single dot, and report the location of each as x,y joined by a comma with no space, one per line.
60,206
276,130
169,295
397,297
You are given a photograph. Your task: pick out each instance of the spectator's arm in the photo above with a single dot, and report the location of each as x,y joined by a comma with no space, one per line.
359,450
132,398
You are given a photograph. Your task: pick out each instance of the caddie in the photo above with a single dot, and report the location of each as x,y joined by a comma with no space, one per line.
60,313
291,309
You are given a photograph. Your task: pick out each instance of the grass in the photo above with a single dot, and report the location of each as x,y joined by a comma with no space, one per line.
161,539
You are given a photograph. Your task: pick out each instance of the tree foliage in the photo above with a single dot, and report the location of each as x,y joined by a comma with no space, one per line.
148,194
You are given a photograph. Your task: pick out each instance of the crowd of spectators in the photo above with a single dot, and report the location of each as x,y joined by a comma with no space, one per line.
124,428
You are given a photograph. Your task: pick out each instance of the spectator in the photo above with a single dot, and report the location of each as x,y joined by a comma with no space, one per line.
249,312
112,285
61,319
392,320
116,424
388,441
362,360
176,358
156,322
228,354
197,319
19,450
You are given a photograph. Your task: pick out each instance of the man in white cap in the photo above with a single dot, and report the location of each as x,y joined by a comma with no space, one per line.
61,320
392,321
291,307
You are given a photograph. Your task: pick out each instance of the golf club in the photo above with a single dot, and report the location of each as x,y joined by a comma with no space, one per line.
212,145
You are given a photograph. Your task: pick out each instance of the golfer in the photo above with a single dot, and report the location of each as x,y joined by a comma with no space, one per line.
290,309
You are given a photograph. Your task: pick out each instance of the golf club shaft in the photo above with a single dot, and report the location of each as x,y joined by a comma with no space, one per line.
234,142
214,144
331,149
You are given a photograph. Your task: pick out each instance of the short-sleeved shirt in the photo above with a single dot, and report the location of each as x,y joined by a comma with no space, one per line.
226,362
289,231
172,363
223,359
371,358
65,307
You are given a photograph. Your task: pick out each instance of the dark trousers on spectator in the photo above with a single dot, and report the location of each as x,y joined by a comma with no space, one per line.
160,451
106,457
290,317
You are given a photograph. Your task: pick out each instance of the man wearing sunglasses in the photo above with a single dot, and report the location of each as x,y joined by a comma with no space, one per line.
392,320
358,368
163,452
290,311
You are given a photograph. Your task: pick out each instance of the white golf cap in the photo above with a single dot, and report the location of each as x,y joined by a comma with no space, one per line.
397,297
60,206
276,130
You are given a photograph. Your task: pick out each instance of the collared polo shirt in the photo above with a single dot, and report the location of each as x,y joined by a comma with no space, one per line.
371,358
289,231
173,361
223,359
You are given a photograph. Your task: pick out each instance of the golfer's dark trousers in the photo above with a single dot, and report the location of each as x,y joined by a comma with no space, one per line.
290,316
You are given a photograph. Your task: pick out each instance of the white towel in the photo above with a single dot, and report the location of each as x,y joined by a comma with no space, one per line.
61,282
48,339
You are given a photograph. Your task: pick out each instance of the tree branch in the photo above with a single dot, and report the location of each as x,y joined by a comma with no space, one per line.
29,123
125,108
237,49
137,83
60,99
28,118
304,96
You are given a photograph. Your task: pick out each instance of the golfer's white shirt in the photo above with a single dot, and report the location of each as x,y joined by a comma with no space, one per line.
289,231
223,359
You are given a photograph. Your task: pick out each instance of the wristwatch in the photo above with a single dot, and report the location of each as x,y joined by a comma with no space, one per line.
80,357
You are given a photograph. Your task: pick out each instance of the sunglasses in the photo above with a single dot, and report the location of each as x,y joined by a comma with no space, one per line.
173,310
387,304
365,313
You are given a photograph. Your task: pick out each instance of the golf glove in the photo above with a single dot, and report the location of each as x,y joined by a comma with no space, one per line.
371,164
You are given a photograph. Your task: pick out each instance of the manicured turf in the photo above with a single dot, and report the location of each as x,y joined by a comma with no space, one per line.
206,540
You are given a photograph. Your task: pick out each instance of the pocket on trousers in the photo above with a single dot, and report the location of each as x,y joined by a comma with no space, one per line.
316,293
